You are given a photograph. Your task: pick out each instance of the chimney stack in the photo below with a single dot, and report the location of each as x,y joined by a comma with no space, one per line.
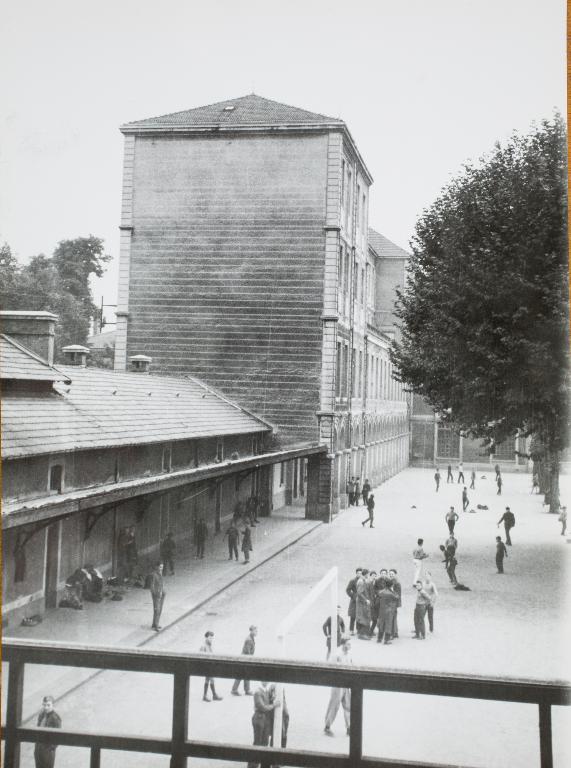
75,354
33,330
140,363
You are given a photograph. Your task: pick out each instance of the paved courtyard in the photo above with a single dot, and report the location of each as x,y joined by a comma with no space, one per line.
515,625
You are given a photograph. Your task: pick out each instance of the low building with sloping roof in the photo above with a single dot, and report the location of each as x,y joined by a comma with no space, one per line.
88,453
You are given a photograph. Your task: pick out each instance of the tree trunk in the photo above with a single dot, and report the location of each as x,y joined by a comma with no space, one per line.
552,467
539,470
554,482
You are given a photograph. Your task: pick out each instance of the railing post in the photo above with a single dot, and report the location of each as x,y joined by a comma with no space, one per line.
356,730
545,741
95,758
13,713
181,684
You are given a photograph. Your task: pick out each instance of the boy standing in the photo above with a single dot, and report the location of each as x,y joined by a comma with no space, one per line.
45,754
418,557
422,603
156,585
501,552
248,649
206,647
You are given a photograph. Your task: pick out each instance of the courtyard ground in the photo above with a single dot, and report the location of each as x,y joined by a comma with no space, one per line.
515,625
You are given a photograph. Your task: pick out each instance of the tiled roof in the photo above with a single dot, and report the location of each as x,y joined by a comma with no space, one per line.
106,408
385,248
17,362
251,110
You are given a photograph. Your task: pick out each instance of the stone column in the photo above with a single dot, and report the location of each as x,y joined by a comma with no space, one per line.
319,487
265,491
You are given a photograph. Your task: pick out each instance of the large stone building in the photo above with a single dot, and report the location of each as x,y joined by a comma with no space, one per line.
245,261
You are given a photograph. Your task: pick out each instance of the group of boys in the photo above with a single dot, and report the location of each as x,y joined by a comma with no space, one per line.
355,492
374,600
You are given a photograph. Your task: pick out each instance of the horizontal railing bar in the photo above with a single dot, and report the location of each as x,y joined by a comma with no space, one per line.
293,672
205,749
72,738
297,757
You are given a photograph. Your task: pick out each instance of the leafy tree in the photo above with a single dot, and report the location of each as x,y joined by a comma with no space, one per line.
9,276
74,262
485,311
60,284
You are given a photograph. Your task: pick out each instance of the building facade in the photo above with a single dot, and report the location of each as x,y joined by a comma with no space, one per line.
87,453
245,262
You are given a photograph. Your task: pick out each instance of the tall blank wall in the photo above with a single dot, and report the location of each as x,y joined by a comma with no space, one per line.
226,271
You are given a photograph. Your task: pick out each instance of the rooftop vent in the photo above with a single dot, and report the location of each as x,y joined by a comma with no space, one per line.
140,363
75,354
229,109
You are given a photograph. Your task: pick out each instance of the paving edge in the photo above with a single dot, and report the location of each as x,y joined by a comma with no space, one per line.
196,607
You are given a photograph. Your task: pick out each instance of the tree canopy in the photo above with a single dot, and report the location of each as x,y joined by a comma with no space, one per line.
485,310
60,284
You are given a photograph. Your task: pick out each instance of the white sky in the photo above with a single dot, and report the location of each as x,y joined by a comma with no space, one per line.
422,84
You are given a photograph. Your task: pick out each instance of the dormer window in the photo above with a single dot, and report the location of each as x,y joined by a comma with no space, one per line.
229,109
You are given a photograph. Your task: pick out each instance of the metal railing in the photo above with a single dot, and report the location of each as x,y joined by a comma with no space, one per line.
18,653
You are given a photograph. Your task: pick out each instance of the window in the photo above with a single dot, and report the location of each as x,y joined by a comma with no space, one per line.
359,392
282,473
338,371
56,478
340,267
167,459
343,183
373,376
349,202
358,209
371,283
362,294
448,442
344,371
353,371
368,283
220,449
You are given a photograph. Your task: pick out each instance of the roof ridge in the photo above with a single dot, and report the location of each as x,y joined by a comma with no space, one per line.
228,102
